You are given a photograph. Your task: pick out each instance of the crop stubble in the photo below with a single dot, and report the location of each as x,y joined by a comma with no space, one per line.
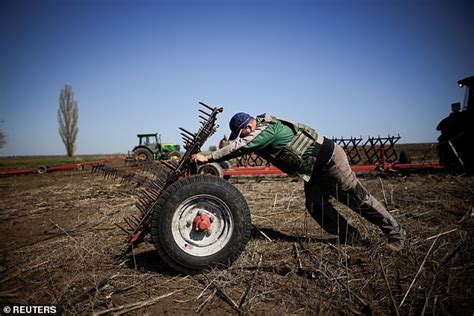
60,246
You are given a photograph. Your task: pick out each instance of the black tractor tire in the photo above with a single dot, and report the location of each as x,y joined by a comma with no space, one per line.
404,157
213,168
143,154
42,169
189,251
225,164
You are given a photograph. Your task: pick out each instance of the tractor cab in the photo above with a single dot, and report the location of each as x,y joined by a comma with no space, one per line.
149,140
469,94
457,132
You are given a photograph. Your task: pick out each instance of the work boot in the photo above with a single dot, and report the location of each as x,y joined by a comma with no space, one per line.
396,239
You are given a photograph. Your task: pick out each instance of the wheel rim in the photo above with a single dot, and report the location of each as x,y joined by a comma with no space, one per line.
199,243
142,157
175,156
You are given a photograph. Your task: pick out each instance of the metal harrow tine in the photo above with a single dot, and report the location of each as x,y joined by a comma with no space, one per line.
137,220
205,113
130,223
97,167
123,229
169,165
142,206
207,106
193,135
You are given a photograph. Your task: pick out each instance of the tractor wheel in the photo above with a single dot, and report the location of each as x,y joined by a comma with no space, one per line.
142,154
225,164
404,157
42,169
213,168
200,222
175,155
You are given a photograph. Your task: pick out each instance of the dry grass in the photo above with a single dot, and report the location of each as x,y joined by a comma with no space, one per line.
60,247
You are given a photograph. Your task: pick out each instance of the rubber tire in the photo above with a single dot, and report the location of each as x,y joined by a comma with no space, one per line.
404,158
142,151
168,203
225,164
42,169
213,168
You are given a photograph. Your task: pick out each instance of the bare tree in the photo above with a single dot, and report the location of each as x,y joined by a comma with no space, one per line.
67,118
3,138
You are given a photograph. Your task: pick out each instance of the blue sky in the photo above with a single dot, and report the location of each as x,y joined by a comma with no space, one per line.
347,68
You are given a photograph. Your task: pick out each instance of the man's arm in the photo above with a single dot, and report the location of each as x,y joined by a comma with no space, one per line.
261,137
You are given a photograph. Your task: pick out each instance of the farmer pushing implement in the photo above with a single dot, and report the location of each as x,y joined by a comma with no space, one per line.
299,150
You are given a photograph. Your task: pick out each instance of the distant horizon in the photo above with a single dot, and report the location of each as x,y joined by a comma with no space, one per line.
346,68
125,153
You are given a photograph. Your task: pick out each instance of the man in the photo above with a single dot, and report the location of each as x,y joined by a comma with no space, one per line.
299,150
223,142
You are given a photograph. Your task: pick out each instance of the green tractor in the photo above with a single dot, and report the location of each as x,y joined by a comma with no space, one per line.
151,148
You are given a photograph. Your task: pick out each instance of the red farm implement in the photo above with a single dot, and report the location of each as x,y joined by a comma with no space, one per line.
61,167
375,154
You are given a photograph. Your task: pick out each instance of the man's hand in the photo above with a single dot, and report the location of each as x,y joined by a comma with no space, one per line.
199,158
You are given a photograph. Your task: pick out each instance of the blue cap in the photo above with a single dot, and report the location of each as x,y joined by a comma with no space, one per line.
237,122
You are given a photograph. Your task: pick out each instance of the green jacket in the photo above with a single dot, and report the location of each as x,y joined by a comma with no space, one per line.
267,141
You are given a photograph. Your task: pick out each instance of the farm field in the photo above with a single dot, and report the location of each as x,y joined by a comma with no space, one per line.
60,246
35,161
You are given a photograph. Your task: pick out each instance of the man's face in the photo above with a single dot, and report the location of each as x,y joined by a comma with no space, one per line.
248,129
245,131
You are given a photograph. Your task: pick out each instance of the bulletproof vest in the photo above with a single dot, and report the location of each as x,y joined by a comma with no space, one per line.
290,158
